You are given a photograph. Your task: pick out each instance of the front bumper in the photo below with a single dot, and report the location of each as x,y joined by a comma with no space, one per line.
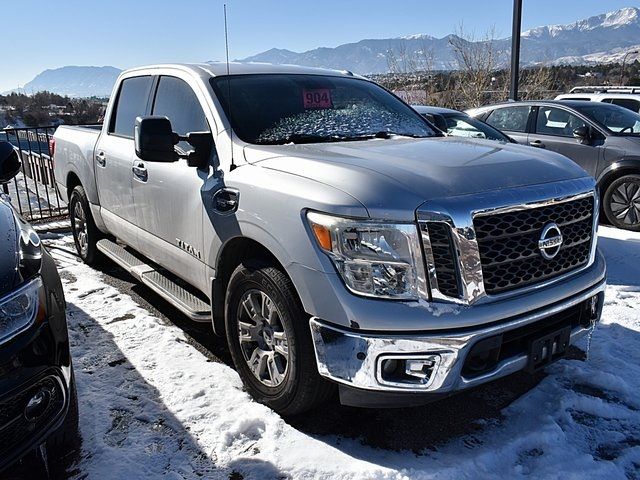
35,364
355,360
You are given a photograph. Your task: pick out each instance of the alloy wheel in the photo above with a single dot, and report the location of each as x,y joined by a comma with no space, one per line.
625,203
80,228
263,340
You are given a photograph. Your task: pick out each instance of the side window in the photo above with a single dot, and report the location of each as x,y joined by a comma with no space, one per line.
132,102
555,121
513,119
177,101
630,103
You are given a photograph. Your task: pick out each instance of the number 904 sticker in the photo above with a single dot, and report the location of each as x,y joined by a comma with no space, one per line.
317,98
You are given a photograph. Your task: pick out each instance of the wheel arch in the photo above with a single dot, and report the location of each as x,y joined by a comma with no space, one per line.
616,170
231,254
73,180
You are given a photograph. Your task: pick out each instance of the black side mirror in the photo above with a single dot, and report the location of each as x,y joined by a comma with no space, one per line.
9,162
582,134
155,140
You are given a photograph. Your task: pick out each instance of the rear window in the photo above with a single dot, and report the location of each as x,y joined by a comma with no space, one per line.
131,103
512,119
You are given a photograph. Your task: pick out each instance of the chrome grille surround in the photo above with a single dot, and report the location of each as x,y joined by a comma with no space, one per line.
459,212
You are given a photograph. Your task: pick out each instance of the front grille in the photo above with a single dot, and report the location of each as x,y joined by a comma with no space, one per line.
444,258
508,243
15,429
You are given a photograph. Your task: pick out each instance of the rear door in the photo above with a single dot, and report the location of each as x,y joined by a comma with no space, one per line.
553,130
168,196
511,120
114,154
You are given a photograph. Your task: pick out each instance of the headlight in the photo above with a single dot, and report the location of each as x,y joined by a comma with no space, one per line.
374,259
18,309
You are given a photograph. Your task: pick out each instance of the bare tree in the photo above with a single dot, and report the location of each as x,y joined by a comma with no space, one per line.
477,60
537,83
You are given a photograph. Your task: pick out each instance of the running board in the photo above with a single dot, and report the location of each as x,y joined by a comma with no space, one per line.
189,304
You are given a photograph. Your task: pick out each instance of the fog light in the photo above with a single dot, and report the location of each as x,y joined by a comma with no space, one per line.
405,371
594,307
419,368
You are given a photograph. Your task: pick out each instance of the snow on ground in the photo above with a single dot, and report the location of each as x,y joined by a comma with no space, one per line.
152,405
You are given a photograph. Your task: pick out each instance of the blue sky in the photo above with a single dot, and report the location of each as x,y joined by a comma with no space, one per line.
40,34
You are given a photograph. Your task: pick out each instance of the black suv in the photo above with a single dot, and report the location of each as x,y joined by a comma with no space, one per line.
602,138
38,402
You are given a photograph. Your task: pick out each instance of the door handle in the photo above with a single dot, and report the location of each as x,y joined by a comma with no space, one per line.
101,159
537,143
140,172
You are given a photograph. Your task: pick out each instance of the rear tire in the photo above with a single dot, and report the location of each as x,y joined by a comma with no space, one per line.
621,203
85,232
276,336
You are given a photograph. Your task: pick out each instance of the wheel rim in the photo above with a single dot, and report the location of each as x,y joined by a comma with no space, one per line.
263,340
80,228
625,203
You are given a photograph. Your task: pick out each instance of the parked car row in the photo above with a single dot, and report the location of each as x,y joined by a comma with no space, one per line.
602,138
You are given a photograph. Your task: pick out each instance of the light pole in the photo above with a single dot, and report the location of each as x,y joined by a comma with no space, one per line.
515,49
624,64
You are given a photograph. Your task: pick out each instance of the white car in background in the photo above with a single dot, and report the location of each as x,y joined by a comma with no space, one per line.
627,97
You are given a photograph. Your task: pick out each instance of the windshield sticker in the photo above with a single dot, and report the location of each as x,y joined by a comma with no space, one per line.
317,98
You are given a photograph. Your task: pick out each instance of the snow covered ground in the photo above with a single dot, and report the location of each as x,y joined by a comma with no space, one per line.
153,405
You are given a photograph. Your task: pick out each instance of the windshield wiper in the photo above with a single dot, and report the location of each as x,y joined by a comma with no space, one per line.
300,138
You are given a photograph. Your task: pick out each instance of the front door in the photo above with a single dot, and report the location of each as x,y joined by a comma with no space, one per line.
168,196
553,130
114,155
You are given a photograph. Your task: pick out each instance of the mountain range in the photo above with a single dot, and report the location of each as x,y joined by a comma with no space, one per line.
74,81
602,38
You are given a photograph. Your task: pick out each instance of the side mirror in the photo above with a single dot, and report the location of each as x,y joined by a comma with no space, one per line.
582,134
155,142
9,162
154,139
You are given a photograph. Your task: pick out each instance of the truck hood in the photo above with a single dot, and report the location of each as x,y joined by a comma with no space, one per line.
391,178
9,276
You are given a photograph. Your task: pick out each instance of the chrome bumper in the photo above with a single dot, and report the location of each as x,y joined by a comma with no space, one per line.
355,359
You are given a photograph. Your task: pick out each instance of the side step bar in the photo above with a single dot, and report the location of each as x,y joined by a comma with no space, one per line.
192,306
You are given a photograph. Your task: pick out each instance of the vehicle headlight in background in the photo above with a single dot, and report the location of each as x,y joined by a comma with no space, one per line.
375,259
18,309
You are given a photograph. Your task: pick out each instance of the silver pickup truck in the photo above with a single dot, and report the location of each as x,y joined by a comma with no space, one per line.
332,234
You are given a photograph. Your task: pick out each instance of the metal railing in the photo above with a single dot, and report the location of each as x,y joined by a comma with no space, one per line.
34,191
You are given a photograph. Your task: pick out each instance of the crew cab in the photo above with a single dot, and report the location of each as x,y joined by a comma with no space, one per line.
332,234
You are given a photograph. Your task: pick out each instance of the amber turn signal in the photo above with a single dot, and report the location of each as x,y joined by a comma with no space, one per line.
323,236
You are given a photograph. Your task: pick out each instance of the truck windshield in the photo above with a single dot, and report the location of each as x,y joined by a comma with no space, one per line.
618,120
274,109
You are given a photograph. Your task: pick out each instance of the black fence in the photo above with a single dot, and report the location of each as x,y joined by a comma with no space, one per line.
34,191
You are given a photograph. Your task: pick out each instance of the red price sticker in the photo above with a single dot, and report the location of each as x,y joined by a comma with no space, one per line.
317,98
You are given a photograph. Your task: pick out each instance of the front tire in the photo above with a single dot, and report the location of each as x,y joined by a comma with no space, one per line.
85,232
621,203
270,340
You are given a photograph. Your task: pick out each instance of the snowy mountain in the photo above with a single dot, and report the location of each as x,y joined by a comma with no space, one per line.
602,36
75,81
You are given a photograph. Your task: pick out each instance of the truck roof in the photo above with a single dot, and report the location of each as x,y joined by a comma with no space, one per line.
217,69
